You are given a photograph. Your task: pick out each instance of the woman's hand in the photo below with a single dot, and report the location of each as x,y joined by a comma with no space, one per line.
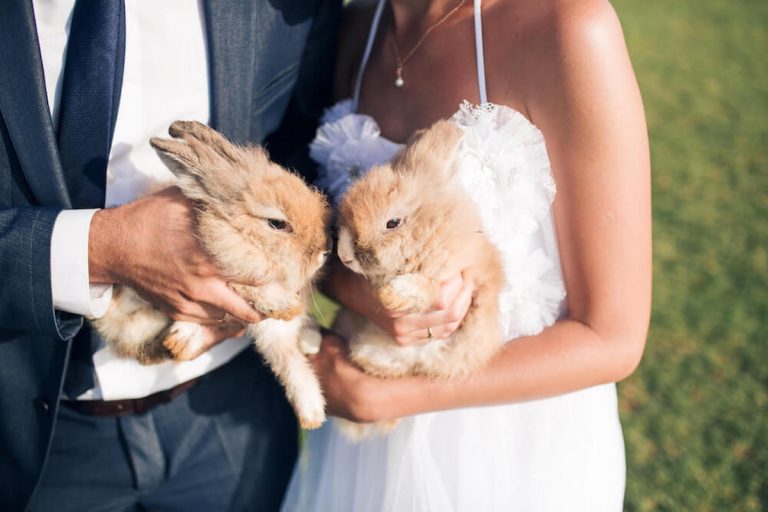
355,292
349,393
352,394
438,323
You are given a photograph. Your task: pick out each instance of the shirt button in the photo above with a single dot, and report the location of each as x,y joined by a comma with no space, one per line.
42,405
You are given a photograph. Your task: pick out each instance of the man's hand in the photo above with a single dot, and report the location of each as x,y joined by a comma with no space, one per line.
150,245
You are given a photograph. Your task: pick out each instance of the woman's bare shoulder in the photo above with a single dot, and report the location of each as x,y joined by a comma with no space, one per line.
542,25
355,24
557,17
542,45
585,26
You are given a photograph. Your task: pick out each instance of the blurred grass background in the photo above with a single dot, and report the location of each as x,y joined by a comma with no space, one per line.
695,414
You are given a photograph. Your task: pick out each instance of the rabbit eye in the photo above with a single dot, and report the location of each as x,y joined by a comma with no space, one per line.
393,223
279,224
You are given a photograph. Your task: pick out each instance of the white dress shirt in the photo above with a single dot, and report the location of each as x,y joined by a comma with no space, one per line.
165,78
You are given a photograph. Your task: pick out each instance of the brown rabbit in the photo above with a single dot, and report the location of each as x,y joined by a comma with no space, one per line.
406,226
258,222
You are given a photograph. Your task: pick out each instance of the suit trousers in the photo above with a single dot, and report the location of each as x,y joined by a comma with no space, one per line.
228,443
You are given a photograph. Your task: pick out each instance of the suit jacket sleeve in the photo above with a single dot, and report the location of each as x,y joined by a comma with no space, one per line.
26,304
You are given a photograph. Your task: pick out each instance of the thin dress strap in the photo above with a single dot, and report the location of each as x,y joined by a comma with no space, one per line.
367,52
479,53
372,38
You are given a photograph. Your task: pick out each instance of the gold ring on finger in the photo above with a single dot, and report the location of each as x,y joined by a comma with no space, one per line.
429,332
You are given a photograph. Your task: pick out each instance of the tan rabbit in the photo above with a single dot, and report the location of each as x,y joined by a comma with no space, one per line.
258,222
406,226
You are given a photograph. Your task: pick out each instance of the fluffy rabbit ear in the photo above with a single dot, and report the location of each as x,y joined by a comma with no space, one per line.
175,154
205,163
430,150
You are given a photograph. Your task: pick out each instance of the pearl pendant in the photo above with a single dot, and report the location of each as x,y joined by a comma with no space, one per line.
399,82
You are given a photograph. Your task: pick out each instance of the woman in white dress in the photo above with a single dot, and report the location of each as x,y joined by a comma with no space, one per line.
555,154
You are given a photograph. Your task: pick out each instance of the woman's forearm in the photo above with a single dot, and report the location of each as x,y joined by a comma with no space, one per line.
568,356
565,357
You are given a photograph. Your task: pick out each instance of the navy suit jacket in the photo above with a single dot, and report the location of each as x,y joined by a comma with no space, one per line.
270,63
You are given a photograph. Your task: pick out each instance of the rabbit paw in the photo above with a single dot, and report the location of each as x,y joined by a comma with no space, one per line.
289,312
152,353
271,300
185,340
310,408
405,294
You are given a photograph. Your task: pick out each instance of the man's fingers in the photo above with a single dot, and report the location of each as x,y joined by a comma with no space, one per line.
176,317
182,309
253,281
226,299
210,301
198,312
213,334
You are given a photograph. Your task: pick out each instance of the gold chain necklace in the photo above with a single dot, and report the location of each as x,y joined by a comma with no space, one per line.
399,81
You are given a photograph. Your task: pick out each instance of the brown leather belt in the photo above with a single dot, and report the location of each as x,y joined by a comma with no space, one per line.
128,405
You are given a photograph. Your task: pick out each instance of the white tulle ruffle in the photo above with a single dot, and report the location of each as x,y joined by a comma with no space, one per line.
347,146
505,168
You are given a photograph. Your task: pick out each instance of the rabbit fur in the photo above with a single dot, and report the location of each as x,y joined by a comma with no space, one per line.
406,226
258,222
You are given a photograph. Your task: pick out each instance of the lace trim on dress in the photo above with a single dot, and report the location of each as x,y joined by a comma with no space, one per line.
506,170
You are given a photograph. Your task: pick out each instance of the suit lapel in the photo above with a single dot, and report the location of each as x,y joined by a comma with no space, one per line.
24,104
231,64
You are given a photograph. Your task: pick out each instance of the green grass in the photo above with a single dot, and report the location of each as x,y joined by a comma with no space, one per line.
695,414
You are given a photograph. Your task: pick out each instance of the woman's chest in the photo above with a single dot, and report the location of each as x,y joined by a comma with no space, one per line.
438,77
434,84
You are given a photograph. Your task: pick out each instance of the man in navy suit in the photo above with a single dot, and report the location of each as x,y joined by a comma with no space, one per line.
80,430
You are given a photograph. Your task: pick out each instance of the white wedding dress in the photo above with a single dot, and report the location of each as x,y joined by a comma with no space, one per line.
558,454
